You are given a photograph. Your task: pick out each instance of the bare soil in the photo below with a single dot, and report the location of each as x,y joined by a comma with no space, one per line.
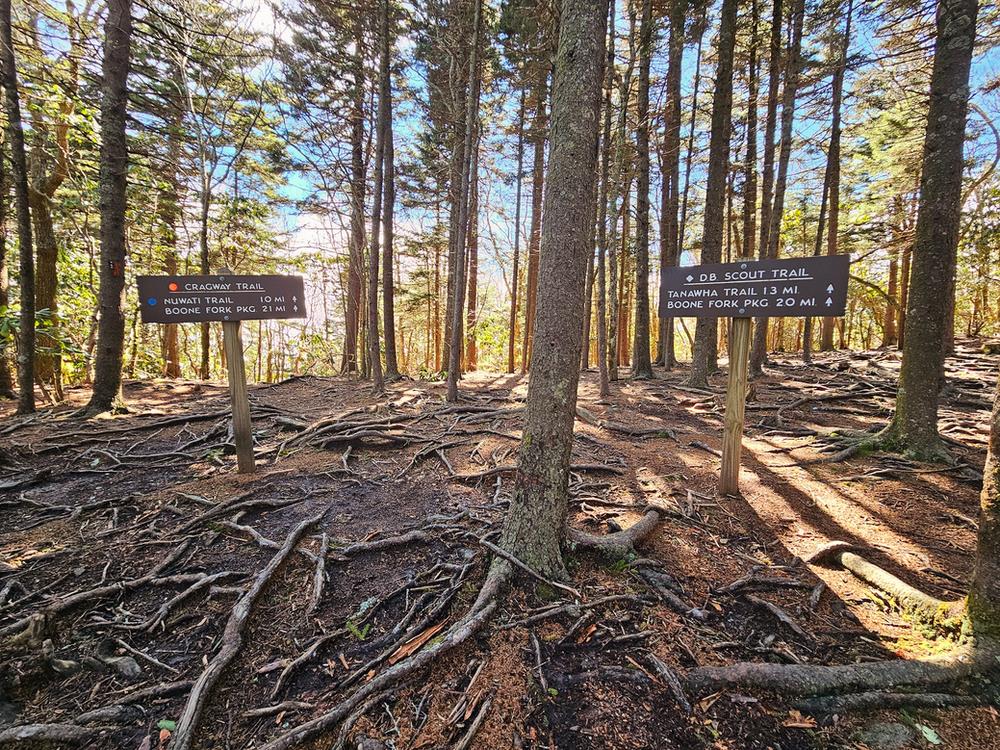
84,504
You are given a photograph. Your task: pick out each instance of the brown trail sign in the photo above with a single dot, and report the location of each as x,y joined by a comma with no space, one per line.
792,287
227,298
223,297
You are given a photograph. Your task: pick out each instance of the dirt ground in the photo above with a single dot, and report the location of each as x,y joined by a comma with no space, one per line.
126,543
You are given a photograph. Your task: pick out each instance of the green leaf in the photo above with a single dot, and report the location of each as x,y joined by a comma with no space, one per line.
167,724
929,734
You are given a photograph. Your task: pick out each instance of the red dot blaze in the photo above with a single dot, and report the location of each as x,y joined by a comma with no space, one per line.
172,286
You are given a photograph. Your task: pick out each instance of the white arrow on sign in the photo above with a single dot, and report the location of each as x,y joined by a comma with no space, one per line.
829,301
830,288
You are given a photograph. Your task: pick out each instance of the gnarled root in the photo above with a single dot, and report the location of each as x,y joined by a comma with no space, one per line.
875,700
621,544
471,623
802,679
910,601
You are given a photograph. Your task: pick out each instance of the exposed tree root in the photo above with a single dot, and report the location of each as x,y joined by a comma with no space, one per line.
621,544
232,639
465,628
911,601
875,700
800,679
74,600
70,734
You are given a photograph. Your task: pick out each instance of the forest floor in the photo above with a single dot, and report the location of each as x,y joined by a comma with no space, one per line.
142,519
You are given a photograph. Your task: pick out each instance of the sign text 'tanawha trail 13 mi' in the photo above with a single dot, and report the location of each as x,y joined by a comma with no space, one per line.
225,297
791,287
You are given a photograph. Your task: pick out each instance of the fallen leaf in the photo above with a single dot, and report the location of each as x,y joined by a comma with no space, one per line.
415,644
798,721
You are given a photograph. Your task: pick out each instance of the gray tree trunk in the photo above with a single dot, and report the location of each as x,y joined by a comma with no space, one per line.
26,260
536,520
642,367
113,178
914,426
703,359
602,203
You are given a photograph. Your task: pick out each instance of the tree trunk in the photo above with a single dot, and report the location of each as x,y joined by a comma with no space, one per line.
536,520
670,240
19,172
621,191
602,203
6,348
689,155
826,337
914,426
471,352
352,323
515,273
750,168
113,178
458,303
642,367
381,131
534,238
703,360
389,210
758,352
168,204
984,593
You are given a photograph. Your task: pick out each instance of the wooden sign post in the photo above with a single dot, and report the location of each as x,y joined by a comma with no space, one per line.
229,299
794,287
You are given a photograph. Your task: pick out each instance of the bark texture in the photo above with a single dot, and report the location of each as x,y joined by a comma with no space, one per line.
703,360
914,425
536,520
107,393
642,367
26,259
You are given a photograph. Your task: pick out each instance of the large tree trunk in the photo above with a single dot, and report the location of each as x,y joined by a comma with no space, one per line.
699,33
536,519
642,367
833,165
381,130
389,210
750,165
622,188
539,127
984,593
515,272
168,204
914,426
471,317
352,323
6,343
459,241
670,190
26,268
113,182
758,352
703,360
602,203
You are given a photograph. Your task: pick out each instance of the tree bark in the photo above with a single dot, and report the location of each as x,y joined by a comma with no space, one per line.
515,272
6,374
703,361
602,202
758,352
471,317
458,303
833,161
670,199
26,260
389,210
984,593
914,425
534,238
535,523
107,394
352,323
642,367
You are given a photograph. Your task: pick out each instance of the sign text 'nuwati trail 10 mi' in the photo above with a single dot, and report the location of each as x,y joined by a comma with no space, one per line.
199,299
